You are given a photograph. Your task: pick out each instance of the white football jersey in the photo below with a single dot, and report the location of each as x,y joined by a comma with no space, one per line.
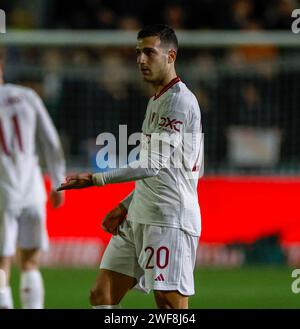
170,198
25,129
170,164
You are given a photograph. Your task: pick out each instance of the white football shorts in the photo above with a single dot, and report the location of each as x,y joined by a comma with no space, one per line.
160,258
25,228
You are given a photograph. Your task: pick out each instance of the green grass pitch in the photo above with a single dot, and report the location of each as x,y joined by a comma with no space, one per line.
245,287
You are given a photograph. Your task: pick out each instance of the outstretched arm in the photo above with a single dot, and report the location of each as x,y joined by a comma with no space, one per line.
150,163
156,150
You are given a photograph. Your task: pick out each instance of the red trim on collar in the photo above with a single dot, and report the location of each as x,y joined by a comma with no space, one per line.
167,87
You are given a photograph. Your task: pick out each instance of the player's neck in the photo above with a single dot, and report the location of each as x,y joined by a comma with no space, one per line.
164,82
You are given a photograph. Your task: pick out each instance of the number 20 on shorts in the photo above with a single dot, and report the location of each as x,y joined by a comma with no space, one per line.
159,256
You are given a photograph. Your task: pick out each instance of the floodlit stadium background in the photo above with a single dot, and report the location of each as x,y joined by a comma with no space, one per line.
241,60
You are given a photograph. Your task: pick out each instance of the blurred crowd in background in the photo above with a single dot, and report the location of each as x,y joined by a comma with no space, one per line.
131,14
89,90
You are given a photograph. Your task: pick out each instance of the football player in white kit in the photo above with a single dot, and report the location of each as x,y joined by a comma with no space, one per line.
24,124
154,247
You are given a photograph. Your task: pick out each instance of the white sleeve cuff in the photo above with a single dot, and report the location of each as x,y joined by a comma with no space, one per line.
98,179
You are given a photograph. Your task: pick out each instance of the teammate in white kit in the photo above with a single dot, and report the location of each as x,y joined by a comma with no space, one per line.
155,246
24,125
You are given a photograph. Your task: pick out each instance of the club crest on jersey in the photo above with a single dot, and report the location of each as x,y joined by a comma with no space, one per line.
146,139
172,124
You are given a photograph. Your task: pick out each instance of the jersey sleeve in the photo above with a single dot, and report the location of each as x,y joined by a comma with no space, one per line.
156,148
49,141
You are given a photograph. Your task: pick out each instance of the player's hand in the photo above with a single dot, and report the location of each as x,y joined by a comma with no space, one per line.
113,219
56,198
77,181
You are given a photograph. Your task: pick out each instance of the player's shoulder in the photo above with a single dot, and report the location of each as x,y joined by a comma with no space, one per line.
182,97
15,87
20,90
181,92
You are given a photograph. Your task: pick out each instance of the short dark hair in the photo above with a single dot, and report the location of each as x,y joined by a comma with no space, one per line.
164,32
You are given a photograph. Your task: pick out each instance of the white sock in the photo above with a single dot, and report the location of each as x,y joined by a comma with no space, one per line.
115,307
6,300
32,290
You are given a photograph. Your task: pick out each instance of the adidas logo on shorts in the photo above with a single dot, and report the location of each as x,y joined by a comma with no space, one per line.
159,278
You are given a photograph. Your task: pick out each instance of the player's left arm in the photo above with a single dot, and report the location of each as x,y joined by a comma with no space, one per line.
51,147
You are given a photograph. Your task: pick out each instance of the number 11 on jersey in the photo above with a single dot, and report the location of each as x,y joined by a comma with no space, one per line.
17,131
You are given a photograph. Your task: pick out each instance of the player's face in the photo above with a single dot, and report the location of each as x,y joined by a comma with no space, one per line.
152,59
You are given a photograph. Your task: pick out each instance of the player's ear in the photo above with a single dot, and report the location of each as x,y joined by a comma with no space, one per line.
172,56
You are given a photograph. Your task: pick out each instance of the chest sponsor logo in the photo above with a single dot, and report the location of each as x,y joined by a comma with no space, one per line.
173,124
